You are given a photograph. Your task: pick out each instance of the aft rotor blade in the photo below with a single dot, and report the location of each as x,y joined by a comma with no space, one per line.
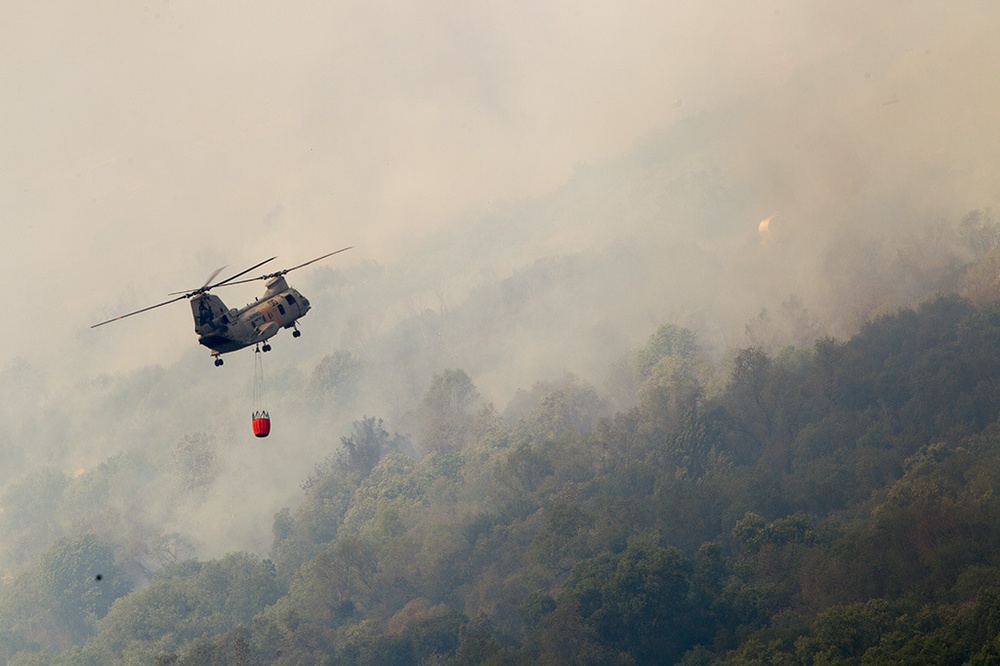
288,270
241,273
172,300
207,287
211,277
189,294
214,275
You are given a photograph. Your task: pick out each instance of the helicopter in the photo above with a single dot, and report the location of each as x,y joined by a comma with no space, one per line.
225,330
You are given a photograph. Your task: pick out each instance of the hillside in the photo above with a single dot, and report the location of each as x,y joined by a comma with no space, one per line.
833,502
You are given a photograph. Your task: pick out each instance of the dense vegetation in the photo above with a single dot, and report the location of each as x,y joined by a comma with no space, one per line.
839,504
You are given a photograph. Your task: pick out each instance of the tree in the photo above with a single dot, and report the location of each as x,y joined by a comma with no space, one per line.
637,601
552,408
29,521
335,379
846,632
447,415
195,459
670,396
79,581
979,232
791,325
668,340
630,372
365,447
186,602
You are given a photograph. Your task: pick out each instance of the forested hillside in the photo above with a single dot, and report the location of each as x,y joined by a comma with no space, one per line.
835,504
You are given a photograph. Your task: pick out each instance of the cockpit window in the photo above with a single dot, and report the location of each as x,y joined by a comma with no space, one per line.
290,299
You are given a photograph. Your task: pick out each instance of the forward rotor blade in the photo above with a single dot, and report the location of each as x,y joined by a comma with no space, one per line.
288,270
172,300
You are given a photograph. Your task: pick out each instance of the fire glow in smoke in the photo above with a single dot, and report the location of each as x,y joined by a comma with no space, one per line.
764,228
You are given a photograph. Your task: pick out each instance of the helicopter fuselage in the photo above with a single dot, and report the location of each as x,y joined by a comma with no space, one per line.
227,330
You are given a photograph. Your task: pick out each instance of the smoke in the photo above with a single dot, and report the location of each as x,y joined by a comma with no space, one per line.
531,187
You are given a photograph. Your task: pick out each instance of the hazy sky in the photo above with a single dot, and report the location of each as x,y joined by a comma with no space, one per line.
142,145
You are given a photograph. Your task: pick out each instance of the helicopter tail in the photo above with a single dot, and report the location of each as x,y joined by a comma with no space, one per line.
210,314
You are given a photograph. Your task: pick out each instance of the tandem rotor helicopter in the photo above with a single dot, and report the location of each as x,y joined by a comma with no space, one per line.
225,330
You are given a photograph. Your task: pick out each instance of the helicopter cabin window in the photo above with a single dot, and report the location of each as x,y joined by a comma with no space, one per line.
281,308
290,299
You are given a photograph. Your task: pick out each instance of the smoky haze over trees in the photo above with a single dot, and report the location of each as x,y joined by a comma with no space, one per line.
690,502
631,364
830,502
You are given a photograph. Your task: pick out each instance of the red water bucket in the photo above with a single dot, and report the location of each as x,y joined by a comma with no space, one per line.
261,424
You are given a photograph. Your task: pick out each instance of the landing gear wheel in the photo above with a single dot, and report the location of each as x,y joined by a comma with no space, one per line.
218,361
296,333
266,347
